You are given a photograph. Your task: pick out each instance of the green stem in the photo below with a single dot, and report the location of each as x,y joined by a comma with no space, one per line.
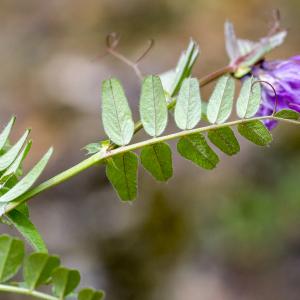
100,157
24,291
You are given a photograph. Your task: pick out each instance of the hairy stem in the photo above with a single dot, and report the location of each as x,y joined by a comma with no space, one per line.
24,291
101,157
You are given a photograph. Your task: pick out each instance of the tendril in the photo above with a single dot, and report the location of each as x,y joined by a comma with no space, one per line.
112,41
147,50
272,87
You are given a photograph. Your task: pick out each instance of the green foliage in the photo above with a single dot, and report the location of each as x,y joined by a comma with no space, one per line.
195,148
13,185
11,256
256,132
174,89
15,167
6,132
248,101
28,180
156,156
225,140
100,147
288,114
90,294
188,106
157,160
64,281
172,80
9,157
121,171
153,106
220,103
116,114
27,229
39,269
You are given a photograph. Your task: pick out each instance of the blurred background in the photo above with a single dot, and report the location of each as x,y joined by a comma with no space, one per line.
228,234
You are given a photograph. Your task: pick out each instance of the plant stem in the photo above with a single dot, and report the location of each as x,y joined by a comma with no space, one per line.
100,157
24,291
214,75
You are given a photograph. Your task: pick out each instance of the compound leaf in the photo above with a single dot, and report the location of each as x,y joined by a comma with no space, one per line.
225,140
195,148
116,114
157,160
121,170
153,106
220,103
188,105
256,132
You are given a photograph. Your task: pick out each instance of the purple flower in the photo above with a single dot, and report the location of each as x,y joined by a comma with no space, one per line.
284,76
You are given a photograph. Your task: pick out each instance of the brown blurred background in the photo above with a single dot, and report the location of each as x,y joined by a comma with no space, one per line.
229,234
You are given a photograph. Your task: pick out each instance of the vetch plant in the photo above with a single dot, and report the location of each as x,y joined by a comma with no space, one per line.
269,94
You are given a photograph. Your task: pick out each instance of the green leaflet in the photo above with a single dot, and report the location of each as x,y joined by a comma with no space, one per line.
116,114
121,171
64,281
23,209
38,268
249,98
157,160
97,147
6,132
231,42
90,294
188,106
27,229
225,140
256,132
15,166
288,114
28,180
153,106
173,79
7,159
195,148
220,103
11,256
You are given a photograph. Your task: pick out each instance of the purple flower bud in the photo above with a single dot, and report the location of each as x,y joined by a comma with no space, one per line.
284,76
